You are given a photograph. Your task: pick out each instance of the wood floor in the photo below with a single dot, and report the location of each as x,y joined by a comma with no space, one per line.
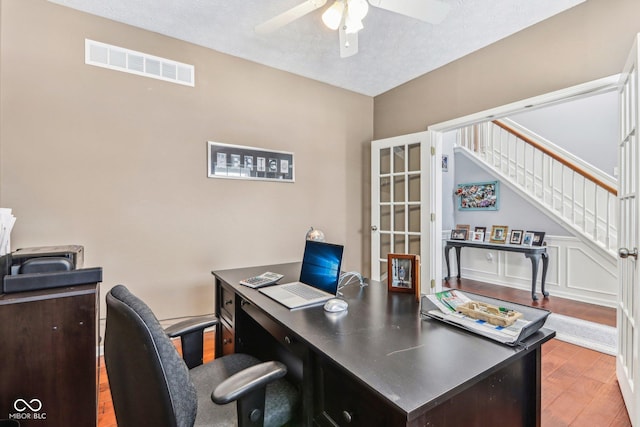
579,386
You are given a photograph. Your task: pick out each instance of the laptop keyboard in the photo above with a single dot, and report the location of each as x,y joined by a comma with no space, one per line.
304,291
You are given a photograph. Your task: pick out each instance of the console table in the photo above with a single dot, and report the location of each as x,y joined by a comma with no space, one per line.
379,363
534,253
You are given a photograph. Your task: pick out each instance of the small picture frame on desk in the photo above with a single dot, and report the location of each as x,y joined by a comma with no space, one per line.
499,234
516,237
403,273
459,234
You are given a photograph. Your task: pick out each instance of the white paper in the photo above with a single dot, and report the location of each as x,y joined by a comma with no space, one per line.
446,313
7,220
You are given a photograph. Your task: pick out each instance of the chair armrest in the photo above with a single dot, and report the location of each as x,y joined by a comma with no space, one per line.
191,325
247,381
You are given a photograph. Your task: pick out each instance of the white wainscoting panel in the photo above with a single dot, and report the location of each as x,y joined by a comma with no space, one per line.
576,271
603,281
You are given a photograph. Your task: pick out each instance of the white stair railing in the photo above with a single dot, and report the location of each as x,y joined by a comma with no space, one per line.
575,193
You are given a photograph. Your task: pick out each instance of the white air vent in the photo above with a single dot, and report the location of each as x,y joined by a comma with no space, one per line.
142,64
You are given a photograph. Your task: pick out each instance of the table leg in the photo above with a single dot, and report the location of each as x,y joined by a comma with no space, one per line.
535,260
447,249
458,249
545,265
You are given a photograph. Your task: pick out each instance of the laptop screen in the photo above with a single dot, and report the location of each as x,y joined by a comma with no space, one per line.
321,265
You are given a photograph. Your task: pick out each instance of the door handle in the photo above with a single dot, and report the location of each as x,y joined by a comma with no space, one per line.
624,253
374,228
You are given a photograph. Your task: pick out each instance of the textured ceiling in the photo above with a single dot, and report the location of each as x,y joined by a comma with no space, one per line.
393,49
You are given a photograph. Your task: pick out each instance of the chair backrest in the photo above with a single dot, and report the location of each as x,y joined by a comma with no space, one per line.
148,379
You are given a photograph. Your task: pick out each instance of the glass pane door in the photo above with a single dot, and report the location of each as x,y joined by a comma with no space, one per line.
400,196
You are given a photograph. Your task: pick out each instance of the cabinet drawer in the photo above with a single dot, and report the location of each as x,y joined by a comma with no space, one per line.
227,305
346,403
277,331
228,344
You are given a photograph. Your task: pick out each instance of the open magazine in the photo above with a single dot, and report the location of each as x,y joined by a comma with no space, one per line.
443,306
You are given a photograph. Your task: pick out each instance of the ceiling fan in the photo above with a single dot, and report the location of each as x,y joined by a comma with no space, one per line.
346,16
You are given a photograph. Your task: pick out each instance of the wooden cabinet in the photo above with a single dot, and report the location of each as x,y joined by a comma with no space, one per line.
49,365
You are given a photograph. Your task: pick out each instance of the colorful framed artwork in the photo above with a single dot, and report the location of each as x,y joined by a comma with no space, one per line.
478,196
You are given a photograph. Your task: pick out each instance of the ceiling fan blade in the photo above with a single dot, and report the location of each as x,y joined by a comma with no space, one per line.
289,16
431,11
348,43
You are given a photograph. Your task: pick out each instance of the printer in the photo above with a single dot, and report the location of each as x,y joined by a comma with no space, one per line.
45,267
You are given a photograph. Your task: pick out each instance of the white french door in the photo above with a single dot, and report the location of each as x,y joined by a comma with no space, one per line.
405,195
627,361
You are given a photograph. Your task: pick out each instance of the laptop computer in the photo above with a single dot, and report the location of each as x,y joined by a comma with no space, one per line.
319,277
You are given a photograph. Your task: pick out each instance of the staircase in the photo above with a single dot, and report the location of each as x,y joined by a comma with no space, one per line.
575,194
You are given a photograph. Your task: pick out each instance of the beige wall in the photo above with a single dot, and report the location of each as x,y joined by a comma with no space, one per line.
117,162
585,43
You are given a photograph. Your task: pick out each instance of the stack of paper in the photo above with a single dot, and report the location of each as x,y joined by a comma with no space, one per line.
443,307
6,225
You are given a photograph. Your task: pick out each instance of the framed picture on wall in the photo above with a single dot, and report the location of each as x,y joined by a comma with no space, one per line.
478,196
237,162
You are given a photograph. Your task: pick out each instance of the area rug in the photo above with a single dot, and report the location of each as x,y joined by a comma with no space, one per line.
580,332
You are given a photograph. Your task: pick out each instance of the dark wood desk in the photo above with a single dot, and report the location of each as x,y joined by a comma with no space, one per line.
534,253
379,364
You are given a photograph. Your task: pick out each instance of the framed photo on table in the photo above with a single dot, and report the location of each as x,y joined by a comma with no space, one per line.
527,240
538,237
459,234
466,227
477,236
516,237
499,234
403,273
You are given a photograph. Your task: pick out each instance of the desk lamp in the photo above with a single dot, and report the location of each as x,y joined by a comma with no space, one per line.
346,277
314,234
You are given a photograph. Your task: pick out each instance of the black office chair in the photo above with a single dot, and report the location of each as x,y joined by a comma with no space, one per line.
152,386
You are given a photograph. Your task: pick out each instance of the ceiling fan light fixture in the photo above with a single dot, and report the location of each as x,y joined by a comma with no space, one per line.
332,17
352,25
358,9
